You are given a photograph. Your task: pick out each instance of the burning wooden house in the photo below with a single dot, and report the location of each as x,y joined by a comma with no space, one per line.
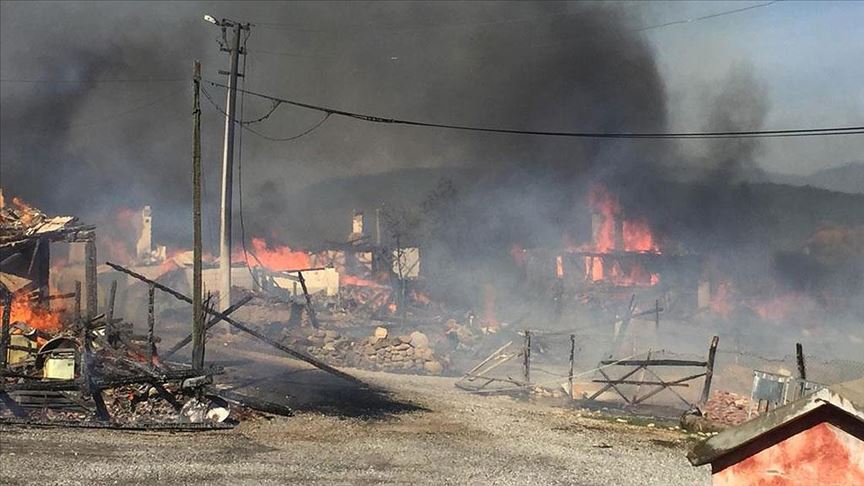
623,257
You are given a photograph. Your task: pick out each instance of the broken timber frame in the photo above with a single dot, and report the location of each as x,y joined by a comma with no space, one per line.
657,382
243,327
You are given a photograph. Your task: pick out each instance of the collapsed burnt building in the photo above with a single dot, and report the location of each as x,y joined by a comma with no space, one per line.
622,258
66,364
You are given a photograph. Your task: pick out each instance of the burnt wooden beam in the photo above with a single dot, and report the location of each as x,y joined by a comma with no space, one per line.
296,354
709,369
111,331
802,368
309,308
655,362
4,331
254,403
151,323
77,309
212,322
90,277
102,383
640,382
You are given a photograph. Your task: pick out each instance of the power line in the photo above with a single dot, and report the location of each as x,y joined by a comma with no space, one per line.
798,132
377,28
245,125
706,17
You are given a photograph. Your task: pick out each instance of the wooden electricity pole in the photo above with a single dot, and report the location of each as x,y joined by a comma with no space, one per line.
197,304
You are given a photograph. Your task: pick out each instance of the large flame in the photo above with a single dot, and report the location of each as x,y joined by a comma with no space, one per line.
23,310
275,258
606,207
636,236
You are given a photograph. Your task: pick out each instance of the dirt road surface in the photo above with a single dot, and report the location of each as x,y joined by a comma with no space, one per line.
431,433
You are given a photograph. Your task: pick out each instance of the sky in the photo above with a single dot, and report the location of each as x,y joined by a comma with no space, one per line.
807,55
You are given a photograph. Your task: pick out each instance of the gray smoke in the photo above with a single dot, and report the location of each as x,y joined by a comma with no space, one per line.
86,148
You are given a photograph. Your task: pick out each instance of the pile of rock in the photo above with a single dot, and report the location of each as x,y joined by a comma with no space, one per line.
726,408
409,354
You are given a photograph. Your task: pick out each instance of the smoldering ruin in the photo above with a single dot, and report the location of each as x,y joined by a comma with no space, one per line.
381,271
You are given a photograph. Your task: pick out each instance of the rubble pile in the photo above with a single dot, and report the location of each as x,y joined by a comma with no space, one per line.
726,408
408,354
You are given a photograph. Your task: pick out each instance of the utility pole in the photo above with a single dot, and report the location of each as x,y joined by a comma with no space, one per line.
233,49
197,304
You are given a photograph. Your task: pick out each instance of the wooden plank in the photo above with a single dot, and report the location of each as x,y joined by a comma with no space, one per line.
655,362
296,354
639,382
670,383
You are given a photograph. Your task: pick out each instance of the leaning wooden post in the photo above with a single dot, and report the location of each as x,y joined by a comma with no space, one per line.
802,369
111,331
526,353
709,369
151,321
656,315
572,362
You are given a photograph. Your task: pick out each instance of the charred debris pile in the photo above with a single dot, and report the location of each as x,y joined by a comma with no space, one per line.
66,360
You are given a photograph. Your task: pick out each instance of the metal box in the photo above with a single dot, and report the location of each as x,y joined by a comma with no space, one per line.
59,366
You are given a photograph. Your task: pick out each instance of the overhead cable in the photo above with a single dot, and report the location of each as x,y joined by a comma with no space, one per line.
797,132
245,125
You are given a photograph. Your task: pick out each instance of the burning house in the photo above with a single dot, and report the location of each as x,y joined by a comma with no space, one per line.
73,363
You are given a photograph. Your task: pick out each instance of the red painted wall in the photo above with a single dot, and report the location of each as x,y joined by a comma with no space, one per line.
820,455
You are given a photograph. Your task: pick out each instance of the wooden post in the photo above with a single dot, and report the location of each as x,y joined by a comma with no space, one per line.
310,309
151,321
526,353
709,369
5,399
77,315
657,315
4,331
110,329
90,277
572,362
197,283
802,369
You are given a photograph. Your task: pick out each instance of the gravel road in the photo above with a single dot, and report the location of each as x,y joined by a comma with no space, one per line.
446,437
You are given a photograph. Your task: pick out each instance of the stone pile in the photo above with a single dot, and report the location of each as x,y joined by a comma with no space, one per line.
407,354
726,408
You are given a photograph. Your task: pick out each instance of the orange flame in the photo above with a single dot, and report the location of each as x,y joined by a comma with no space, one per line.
345,279
604,205
638,237
36,317
275,258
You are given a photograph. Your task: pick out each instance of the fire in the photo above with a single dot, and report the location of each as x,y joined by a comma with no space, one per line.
606,207
638,237
635,236
345,279
276,258
36,317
